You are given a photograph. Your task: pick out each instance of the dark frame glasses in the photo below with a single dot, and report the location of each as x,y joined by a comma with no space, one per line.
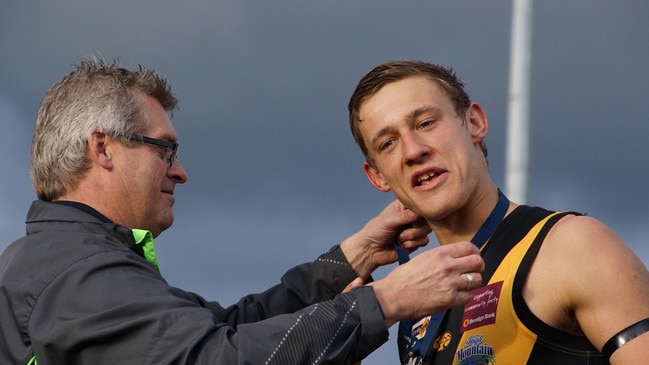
158,142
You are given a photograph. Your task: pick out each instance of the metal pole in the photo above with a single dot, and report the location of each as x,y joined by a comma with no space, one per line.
517,153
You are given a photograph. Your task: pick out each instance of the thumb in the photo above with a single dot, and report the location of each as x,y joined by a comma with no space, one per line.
404,216
400,215
355,283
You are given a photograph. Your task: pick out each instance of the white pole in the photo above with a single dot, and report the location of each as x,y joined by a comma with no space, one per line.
517,159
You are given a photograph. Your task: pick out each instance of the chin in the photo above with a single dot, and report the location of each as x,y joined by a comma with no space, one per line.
166,224
163,223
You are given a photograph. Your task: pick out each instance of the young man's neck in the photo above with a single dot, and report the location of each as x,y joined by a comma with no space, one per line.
463,224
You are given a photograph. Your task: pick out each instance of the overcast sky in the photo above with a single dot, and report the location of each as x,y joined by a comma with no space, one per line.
274,175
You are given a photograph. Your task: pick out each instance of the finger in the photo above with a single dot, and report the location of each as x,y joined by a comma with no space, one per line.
412,246
414,236
356,282
414,231
395,206
413,243
462,256
470,281
469,264
400,216
461,249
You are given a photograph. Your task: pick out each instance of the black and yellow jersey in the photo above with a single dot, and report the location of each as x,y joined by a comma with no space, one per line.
496,326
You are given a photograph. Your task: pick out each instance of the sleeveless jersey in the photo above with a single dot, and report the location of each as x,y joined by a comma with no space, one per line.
496,326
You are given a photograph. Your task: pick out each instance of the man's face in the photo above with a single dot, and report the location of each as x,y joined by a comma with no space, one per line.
422,150
148,181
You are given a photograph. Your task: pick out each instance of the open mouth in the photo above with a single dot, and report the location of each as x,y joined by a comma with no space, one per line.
425,177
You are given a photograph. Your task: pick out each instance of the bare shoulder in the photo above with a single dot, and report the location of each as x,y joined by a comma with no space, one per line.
588,243
600,282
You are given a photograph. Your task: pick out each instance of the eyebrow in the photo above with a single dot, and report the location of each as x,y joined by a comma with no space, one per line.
168,137
382,132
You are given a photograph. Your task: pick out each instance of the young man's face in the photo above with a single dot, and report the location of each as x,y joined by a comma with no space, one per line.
422,150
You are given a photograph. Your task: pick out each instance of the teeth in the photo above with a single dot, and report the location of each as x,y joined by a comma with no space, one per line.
425,177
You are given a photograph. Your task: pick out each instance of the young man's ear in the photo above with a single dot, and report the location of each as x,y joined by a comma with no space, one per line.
375,178
99,150
477,122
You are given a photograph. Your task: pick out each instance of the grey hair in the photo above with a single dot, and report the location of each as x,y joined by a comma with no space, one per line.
96,96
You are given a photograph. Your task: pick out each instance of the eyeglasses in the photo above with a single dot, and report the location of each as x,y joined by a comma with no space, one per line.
160,143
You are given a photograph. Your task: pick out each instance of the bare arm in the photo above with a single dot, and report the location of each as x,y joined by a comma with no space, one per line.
601,281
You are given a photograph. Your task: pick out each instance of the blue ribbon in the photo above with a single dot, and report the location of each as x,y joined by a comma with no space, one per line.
420,347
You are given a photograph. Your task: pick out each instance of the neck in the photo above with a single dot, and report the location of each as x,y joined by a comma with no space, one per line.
463,223
86,192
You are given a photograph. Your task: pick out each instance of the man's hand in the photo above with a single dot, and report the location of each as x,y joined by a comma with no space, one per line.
371,247
355,283
431,282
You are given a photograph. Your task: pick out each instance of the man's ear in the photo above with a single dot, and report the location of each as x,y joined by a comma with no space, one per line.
477,122
99,149
375,178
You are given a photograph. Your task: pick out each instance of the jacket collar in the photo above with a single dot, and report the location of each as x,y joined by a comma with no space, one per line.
47,216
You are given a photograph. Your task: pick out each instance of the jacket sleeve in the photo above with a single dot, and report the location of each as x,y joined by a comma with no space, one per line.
120,311
301,286
343,330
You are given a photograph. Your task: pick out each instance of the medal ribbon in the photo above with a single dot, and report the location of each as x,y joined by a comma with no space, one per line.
419,348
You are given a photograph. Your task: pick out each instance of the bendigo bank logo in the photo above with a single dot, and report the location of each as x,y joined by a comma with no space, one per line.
482,308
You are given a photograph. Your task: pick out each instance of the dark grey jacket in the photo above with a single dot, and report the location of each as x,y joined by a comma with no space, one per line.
78,291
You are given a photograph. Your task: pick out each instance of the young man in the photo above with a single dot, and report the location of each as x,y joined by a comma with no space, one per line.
83,286
558,288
